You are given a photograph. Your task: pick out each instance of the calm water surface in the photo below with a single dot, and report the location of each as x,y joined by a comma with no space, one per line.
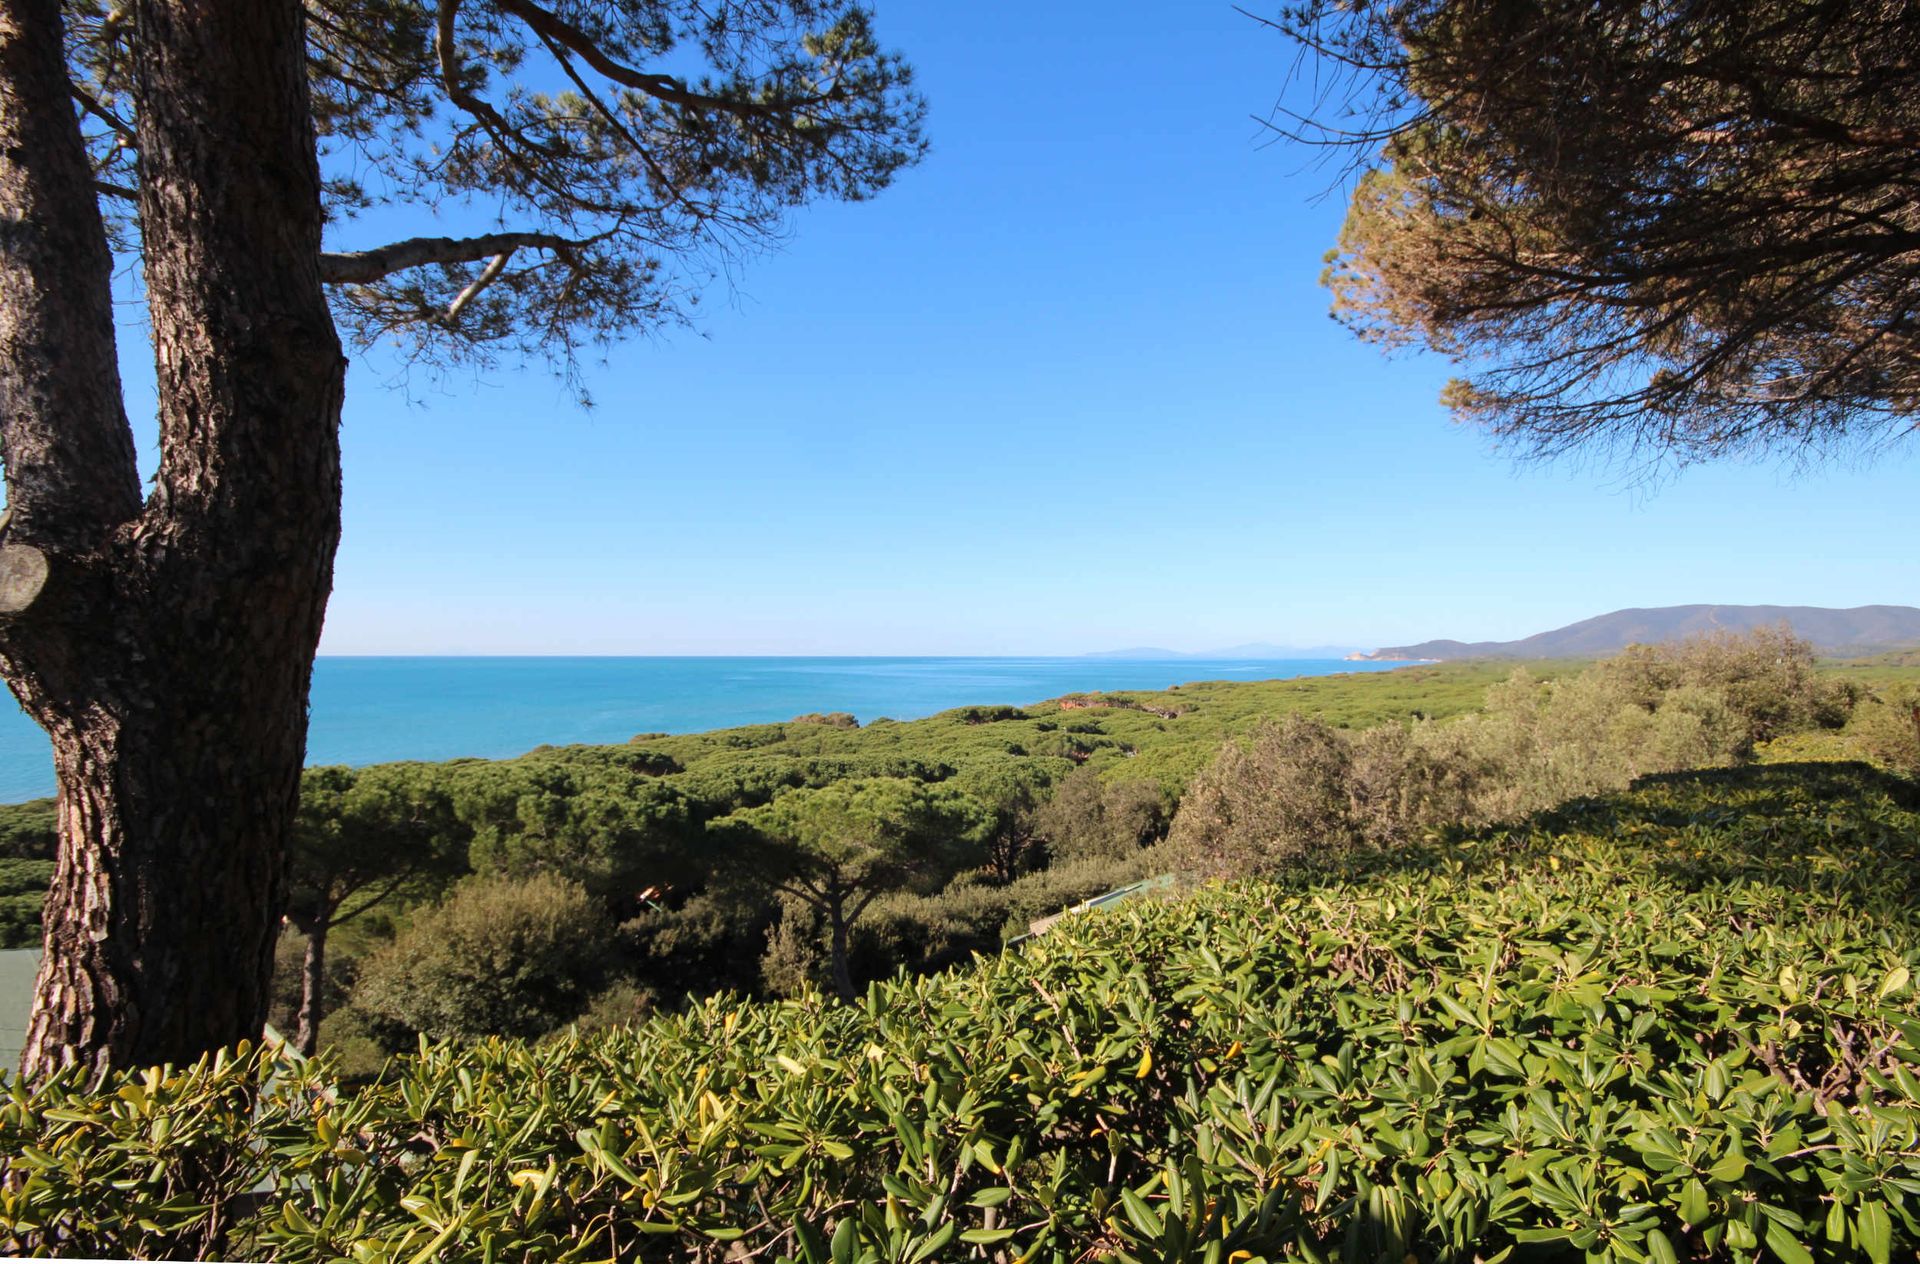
367,710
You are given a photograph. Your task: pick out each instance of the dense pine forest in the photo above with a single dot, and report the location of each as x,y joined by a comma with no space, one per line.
1614,959
596,885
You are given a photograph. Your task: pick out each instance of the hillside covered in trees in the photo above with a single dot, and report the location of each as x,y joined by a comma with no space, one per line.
595,885
1614,958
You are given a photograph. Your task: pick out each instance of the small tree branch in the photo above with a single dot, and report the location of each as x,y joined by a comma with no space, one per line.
807,894
487,276
371,896
361,267
91,104
525,155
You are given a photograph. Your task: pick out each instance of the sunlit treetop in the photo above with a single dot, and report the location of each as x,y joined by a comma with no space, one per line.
1661,231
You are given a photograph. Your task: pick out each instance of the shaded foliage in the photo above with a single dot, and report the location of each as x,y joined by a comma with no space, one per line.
1088,817
28,831
23,889
363,838
836,848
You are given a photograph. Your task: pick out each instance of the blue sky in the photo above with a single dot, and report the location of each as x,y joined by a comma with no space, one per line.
1069,386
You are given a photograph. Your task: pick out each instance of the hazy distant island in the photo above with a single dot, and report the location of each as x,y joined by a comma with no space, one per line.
1258,650
1855,631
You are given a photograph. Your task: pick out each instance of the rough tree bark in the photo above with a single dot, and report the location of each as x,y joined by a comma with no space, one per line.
166,646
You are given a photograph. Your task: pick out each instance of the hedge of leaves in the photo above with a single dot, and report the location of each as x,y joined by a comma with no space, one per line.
1679,1024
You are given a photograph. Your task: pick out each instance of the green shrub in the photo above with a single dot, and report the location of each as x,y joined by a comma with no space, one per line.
1767,677
1886,728
975,915
1280,799
1537,743
162,1164
709,942
28,836
833,719
1398,784
922,933
798,958
1059,887
622,1004
1820,746
988,715
1088,817
498,957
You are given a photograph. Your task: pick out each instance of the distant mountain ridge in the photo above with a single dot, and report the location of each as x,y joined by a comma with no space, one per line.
1860,630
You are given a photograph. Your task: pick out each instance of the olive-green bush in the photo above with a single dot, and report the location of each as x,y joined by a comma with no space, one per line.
497,957
917,933
1886,728
1299,789
1283,798
1087,817
1767,677
27,840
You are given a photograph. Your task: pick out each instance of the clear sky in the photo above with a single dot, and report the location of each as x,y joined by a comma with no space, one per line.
1069,386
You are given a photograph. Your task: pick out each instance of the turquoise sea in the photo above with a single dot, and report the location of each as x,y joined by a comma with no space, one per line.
369,710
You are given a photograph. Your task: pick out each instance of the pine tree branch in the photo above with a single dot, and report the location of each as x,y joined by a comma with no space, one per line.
488,275
362,267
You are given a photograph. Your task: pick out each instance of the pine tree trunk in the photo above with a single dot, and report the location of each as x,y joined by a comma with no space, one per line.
842,973
313,982
166,647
